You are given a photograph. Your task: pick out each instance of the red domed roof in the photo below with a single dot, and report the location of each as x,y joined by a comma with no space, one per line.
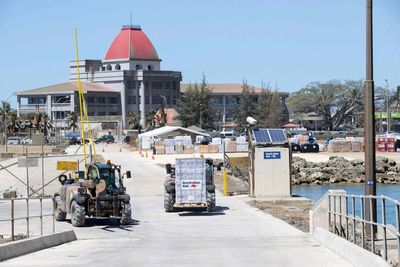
140,45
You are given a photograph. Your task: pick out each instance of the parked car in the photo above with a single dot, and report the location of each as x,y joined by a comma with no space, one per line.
13,141
26,141
108,138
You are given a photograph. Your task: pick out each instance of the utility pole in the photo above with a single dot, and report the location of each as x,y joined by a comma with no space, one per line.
369,127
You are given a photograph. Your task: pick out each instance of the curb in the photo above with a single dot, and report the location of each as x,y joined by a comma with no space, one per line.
21,247
355,255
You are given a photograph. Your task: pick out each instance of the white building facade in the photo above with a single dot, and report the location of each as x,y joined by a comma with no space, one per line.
129,79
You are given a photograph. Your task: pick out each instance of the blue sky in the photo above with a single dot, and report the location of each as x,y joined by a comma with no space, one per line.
286,43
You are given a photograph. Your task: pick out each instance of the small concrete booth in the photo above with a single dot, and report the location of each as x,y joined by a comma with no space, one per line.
270,161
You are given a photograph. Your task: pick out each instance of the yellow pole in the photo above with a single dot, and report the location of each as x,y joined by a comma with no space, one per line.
80,97
225,182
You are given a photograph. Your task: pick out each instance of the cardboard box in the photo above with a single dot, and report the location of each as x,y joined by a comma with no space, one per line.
213,148
203,149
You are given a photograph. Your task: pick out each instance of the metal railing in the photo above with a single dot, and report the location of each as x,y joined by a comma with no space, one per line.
347,218
235,171
12,219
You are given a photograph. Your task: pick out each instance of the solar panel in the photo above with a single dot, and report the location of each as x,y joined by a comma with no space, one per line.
277,136
269,136
261,136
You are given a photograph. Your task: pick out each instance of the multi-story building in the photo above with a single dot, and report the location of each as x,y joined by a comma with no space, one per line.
129,79
226,97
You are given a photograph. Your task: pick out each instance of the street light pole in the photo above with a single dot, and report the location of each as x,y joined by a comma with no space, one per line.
387,107
369,127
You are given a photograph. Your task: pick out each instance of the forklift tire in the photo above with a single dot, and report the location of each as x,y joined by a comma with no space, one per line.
169,201
59,215
77,214
126,214
210,201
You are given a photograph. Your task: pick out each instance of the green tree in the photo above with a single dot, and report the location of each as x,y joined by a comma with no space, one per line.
150,119
333,100
247,106
195,108
5,109
269,110
73,121
132,120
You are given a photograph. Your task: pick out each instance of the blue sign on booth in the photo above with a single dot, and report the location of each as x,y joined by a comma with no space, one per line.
272,155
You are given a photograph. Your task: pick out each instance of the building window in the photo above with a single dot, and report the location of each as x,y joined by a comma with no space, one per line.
131,100
167,85
113,113
156,99
146,98
156,85
101,100
101,113
118,67
174,85
149,67
90,100
138,67
109,67
113,100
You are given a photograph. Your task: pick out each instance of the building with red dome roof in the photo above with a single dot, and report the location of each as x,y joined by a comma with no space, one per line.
130,80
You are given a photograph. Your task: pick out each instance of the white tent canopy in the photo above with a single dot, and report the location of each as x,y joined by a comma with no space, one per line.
145,139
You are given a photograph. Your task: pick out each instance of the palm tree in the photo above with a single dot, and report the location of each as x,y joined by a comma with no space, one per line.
132,120
5,109
14,123
73,121
151,118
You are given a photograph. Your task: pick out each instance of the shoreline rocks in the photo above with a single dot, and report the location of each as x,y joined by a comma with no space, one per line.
340,170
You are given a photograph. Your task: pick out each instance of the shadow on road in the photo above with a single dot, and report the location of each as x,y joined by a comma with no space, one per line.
219,210
109,224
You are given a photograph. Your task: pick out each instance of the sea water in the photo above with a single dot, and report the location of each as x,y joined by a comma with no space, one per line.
315,192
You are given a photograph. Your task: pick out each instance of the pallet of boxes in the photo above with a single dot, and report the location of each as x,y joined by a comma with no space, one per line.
160,147
345,145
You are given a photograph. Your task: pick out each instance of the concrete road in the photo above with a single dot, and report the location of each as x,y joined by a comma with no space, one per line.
234,235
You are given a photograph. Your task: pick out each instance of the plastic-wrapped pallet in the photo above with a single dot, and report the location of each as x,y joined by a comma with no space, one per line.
241,139
216,141
356,146
213,148
178,140
160,149
221,148
335,146
188,150
169,149
190,180
169,142
203,149
159,143
178,148
242,147
187,140
346,146
232,146
226,142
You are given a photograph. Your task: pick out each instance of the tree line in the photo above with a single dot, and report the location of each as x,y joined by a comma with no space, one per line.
195,107
336,101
